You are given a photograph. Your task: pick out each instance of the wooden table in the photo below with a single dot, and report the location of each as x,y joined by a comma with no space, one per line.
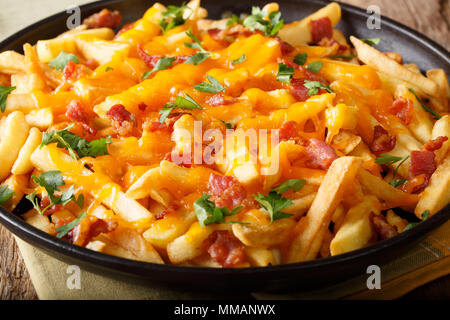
431,17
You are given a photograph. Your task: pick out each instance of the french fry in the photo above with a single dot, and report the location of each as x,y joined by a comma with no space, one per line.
189,245
339,176
260,257
101,51
440,78
20,102
36,75
132,241
382,63
12,62
442,129
356,230
392,197
301,205
396,221
104,245
12,139
41,118
264,235
18,184
298,33
23,164
436,195
39,221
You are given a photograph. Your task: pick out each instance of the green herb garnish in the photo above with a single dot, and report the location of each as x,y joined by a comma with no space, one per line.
161,64
424,216
172,17
186,103
59,63
207,212
300,59
5,194
371,41
4,92
284,73
212,87
314,87
424,106
314,66
239,60
63,230
256,21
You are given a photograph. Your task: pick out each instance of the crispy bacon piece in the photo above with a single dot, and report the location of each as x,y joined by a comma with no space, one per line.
119,113
382,141
149,60
69,70
290,131
224,248
298,89
285,47
219,100
76,113
422,162
89,228
103,19
155,126
170,210
45,202
321,28
320,154
435,144
403,109
142,106
226,191
382,227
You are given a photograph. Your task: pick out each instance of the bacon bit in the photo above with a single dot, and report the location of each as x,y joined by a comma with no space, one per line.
165,212
219,100
215,33
89,228
149,60
142,106
173,117
103,19
435,144
382,141
226,191
69,70
45,202
119,113
125,28
416,184
403,109
225,248
91,64
382,227
298,89
320,154
320,29
76,113
285,47
289,131
422,162
155,126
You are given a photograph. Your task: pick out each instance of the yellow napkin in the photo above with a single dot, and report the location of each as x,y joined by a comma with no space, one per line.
427,261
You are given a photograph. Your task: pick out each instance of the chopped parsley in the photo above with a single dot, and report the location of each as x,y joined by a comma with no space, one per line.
387,159
424,216
162,64
63,230
314,87
234,20
424,106
62,59
5,194
4,92
228,125
239,60
186,103
372,41
256,21
213,86
51,180
172,17
200,56
284,73
300,59
314,66
76,145
207,212
274,202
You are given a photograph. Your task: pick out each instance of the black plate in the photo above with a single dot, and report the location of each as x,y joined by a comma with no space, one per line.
413,46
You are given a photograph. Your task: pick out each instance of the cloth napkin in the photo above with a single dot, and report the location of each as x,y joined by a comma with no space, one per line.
427,261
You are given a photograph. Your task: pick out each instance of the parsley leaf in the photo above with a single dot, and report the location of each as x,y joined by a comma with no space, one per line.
199,57
300,59
239,60
212,87
371,41
161,64
274,201
172,17
314,87
75,144
186,102
228,125
294,184
424,106
4,92
387,159
207,212
397,182
63,230
234,20
51,180
284,73
424,215
62,59
314,66
256,21
5,194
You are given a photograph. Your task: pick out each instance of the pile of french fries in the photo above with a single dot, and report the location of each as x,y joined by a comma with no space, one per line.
151,200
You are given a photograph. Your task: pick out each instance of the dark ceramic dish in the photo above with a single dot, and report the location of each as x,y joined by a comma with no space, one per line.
413,46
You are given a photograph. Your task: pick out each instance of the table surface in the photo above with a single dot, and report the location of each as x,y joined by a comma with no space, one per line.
431,17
